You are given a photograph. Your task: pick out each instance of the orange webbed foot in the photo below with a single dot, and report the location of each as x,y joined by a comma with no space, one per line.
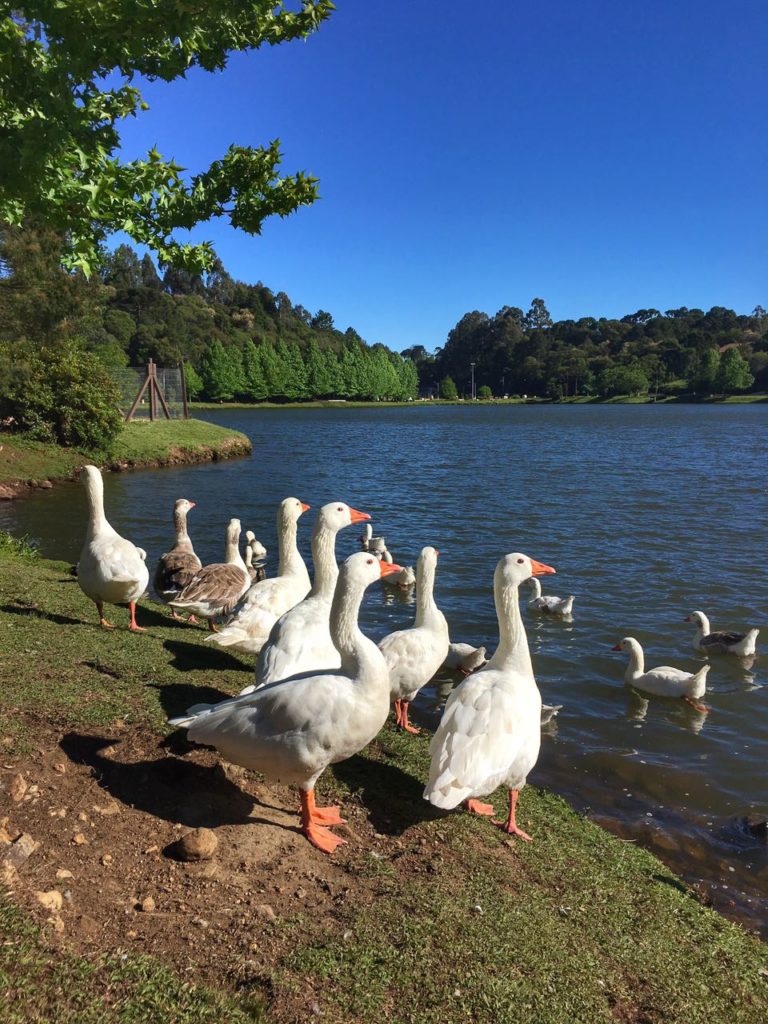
512,830
106,625
136,629
476,807
322,838
407,727
327,816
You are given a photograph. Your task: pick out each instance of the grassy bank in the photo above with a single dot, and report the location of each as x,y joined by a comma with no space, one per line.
423,917
26,463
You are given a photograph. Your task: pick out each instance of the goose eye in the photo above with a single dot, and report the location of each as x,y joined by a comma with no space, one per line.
369,561
339,509
519,561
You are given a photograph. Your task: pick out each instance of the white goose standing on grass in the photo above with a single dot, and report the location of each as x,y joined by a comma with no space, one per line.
248,629
414,655
216,588
721,641
111,569
663,681
293,729
548,602
176,567
300,640
490,732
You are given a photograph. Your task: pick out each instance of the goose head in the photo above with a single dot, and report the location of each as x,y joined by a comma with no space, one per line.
336,515
628,644
183,505
515,568
363,568
289,511
698,619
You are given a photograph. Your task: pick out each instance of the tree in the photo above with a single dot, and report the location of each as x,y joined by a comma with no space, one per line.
447,389
484,392
733,374
66,80
702,375
537,318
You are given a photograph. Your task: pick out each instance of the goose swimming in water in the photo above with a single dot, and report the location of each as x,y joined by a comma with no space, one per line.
663,681
721,641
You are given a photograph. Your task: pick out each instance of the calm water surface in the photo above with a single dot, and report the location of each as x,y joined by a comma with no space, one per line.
647,512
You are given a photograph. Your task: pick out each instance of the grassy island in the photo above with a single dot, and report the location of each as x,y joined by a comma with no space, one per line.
25,463
422,917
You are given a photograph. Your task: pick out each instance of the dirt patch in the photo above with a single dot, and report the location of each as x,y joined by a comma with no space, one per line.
105,808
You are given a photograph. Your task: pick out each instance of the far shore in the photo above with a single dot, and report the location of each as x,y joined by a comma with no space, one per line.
335,403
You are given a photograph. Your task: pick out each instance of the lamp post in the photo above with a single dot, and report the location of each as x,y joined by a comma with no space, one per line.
472,389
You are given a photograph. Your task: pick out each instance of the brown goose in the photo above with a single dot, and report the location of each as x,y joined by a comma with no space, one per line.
176,567
215,589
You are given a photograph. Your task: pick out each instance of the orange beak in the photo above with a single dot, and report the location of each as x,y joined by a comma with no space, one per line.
539,569
192,504
616,647
387,568
305,508
357,517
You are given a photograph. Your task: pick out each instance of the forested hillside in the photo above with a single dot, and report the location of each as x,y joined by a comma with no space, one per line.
239,341
717,352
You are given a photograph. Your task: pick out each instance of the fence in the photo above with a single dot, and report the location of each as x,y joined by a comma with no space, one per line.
150,392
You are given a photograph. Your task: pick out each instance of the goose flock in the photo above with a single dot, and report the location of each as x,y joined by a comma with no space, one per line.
322,690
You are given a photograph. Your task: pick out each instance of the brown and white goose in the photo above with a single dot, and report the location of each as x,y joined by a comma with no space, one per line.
721,641
215,589
176,567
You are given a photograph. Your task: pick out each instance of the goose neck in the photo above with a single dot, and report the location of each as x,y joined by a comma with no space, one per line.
636,665
94,489
324,559
232,554
425,591
513,642
180,527
536,587
289,557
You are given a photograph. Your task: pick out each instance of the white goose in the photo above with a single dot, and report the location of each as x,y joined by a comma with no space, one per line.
256,572
293,729
257,548
464,658
549,603
365,536
111,569
663,681
248,629
721,641
216,588
414,655
176,567
300,640
490,731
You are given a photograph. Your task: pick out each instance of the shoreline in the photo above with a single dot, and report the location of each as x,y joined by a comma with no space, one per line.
577,925
422,403
27,465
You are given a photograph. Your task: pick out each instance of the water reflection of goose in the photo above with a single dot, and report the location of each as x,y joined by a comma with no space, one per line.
637,711
721,641
663,681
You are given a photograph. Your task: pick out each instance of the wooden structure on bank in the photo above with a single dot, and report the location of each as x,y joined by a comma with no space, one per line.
156,395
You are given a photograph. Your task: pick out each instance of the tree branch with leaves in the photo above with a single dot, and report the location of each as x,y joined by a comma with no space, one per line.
60,116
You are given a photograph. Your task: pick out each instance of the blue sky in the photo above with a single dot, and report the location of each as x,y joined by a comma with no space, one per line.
606,157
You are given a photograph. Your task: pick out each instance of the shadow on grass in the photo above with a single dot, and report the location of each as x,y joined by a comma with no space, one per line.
168,788
394,799
175,698
192,657
33,611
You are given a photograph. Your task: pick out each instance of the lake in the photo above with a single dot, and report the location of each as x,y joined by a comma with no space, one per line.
647,513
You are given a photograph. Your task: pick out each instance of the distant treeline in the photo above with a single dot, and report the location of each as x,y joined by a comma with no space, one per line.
517,353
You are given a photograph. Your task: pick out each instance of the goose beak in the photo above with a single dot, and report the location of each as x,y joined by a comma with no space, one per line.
616,647
687,619
305,508
539,569
357,517
192,504
387,568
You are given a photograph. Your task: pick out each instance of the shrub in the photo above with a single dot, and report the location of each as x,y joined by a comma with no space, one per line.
484,392
59,393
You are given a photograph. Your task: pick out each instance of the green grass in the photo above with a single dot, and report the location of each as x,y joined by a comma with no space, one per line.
139,443
443,919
